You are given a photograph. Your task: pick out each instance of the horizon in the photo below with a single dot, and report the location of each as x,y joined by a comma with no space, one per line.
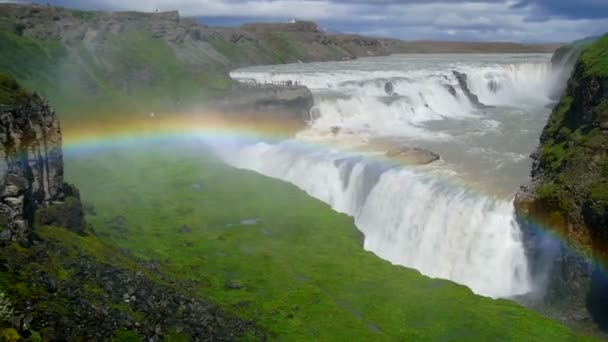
480,21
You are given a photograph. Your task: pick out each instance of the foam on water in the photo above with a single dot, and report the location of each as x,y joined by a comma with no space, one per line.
418,217
408,218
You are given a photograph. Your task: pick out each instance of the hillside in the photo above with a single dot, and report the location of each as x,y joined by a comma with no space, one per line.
181,247
148,61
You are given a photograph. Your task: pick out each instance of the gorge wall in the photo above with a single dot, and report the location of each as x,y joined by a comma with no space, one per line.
31,167
568,195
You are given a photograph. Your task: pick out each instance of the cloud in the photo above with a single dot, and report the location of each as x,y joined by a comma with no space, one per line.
571,9
496,20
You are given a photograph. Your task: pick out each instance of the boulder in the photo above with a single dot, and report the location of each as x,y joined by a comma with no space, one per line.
412,156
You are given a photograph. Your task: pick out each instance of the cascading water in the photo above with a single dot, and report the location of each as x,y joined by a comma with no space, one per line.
453,219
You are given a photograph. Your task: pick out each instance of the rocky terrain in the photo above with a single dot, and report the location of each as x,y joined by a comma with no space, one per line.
63,293
569,193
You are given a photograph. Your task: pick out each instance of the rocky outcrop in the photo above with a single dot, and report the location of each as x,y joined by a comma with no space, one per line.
563,61
463,82
274,103
31,167
568,194
412,156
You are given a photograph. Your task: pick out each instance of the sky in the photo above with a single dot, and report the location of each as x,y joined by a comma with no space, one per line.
531,21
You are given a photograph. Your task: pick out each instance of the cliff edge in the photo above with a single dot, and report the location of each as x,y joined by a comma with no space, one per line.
568,195
569,191
31,167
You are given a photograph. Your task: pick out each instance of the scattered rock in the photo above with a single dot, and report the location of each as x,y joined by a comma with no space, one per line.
233,285
99,299
412,156
389,89
251,222
185,229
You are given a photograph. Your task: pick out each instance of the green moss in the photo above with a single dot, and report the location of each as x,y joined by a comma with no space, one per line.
556,120
599,193
9,335
302,270
595,58
553,155
227,49
126,336
177,337
554,197
67,214
31,61
10,91
85,16
284,48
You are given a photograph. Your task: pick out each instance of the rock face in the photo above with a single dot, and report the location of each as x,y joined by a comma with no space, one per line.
31,166
569,192
412,156
563,61
464,85
279,103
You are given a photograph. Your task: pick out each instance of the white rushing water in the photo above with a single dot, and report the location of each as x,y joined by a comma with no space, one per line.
453,219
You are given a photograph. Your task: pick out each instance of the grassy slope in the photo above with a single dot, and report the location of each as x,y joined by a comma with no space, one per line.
131,70
11,92
572,157
303,272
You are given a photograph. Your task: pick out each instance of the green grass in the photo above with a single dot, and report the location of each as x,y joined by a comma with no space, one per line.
283,48
11,92
595,57
84,15
302,270
129,72
31,61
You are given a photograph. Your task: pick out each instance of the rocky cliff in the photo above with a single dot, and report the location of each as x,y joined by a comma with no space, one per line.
569,190
31,167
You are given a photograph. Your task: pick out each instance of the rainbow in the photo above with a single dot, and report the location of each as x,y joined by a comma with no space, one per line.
113,132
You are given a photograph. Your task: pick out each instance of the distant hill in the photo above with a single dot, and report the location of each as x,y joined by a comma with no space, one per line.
79,58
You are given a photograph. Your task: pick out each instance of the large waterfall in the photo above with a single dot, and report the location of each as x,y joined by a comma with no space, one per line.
452,219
